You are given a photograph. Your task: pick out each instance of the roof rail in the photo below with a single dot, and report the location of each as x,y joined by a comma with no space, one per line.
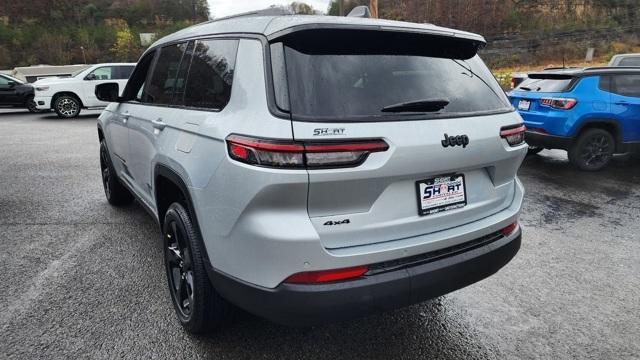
270,11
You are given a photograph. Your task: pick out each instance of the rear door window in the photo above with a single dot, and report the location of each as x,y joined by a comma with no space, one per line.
355,82
210,74
124,72
626,85
159,88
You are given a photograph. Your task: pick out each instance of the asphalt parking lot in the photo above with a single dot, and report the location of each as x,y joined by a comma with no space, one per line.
82,279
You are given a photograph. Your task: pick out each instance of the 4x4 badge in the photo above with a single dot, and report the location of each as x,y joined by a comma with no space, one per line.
458,140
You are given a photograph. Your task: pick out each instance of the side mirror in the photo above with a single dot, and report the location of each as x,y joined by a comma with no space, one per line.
108,92
11,84
91,77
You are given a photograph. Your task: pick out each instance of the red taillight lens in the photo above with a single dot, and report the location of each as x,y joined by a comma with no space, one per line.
293,154
513,83
559,103
506,231
513,135
318,277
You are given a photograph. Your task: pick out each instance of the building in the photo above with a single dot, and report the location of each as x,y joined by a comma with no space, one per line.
33,73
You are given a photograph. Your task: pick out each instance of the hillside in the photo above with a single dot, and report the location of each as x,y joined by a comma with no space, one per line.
60,32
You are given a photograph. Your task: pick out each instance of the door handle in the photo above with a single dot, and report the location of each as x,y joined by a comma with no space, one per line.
158,124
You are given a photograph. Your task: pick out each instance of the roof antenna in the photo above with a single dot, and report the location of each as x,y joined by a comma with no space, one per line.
360,12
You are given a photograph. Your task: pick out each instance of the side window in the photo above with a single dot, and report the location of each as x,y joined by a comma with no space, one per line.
135,85
630,61
4,81
104,73
159,88
626,85
183,72
124,72
211,74
604,83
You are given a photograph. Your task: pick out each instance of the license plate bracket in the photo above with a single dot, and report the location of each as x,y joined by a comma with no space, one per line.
441,193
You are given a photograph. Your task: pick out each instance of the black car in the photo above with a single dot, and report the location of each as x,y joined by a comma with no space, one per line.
16,93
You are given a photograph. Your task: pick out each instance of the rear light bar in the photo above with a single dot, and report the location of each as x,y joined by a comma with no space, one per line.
300,155
513,135
325,276
559,103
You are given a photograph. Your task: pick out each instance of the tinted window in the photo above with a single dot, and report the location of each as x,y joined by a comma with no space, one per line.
545,85
135,85
357,84
104,73
159,89
181,78
211,74
630,61
124,72
4,80
626,85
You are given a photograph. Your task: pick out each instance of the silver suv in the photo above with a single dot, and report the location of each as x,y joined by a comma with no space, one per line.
315,168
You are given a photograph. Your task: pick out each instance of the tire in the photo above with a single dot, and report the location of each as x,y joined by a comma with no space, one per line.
31,105
67,106
115,192
199,308
593,150
534,150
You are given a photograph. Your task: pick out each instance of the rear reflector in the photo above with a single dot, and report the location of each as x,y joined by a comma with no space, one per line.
509,229
513,135
295,154
318,277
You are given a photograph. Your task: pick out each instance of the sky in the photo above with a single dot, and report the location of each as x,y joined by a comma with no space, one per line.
220,8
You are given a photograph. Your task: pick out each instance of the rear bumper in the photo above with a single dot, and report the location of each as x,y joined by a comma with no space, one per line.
547,141
304,305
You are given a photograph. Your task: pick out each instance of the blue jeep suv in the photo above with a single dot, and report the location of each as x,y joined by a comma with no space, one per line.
592,113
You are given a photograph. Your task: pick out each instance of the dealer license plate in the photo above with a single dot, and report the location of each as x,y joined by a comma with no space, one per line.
442,193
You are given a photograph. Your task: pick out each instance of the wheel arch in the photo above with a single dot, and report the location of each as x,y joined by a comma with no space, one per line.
61,93
610,125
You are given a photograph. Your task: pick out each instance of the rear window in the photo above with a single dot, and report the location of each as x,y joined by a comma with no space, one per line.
630,61
545,85
355,82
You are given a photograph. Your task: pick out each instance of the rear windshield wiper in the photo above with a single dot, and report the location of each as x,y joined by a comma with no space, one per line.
429,105
525,88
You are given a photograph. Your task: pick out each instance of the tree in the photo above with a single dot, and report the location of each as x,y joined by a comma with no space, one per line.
125,48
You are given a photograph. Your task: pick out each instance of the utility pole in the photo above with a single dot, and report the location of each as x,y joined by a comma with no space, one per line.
373,8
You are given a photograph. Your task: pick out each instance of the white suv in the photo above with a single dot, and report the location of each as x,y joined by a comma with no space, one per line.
315,168
68,95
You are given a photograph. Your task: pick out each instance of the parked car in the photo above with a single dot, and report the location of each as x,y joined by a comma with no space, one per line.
517,78
375,168
15,93
592,113
625,60
67,96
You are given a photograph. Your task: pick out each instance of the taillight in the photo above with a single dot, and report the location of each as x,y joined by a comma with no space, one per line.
508,230
296,154
559,103
513,83
325,276
513,135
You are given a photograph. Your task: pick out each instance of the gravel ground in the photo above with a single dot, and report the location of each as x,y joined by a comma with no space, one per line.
82,279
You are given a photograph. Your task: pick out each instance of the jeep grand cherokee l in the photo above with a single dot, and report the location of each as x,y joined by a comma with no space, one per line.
309,168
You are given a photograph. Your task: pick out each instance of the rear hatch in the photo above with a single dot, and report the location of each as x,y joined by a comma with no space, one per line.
528,96
433,102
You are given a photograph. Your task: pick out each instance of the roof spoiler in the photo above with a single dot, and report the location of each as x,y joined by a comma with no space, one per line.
551,76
